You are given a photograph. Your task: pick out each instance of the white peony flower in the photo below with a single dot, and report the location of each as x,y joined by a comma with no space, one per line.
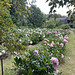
0,54
3,51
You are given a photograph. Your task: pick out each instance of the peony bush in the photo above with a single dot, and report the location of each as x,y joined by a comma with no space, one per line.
44,59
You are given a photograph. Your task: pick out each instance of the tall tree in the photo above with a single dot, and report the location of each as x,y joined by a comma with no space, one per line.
61,3
36,17
19,12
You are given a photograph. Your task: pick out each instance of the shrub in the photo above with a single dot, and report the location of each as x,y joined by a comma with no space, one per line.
45,58
74,24
64,26
35,37
53,23
36,19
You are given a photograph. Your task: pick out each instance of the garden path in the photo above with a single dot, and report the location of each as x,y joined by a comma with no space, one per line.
68,68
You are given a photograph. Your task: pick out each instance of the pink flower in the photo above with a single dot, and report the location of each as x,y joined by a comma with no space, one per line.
35,51
55,61
52,42
57,43
66,37
45,42
65,41
62,56
61,44
51,45
49,32
45,39
69,58
56,35
55,32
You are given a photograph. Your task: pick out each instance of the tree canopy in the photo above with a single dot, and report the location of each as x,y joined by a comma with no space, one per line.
36,18
61,3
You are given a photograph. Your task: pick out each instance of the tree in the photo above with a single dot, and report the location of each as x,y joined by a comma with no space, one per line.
19,12
61,3
36,18
5,19
8,37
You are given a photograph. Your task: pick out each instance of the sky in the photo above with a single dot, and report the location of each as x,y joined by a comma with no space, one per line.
43,5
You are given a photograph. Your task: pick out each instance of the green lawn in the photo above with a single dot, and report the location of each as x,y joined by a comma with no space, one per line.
68,68
8,65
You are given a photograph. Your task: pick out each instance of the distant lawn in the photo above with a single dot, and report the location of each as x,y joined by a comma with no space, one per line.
68,68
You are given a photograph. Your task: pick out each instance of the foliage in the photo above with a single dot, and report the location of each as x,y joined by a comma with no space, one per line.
73,24
5,19
64,26
53,23
3,48
36,18
37,61
19,12
61,3
56,15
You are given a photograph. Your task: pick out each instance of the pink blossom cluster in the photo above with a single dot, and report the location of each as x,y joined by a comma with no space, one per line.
57,43
61,37
69,31
49,32
46,40
52,43
55,32
61,44
62,56
36,52
66,37
55,61
65,41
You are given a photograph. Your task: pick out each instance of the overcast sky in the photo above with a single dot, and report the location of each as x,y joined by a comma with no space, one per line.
45,8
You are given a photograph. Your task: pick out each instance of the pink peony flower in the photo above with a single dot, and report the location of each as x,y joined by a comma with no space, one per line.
45,42
45,39
66,37
61,44
51,45
56,35
53,42
62,56
49,32
55,61
57,43
35,51
69,58
55,32
65,41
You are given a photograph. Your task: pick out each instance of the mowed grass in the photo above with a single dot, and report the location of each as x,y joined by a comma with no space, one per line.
68,68
7,66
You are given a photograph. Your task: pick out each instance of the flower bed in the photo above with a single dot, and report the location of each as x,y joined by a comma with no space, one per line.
44,59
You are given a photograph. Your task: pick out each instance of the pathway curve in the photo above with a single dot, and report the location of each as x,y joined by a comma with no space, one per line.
68,68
